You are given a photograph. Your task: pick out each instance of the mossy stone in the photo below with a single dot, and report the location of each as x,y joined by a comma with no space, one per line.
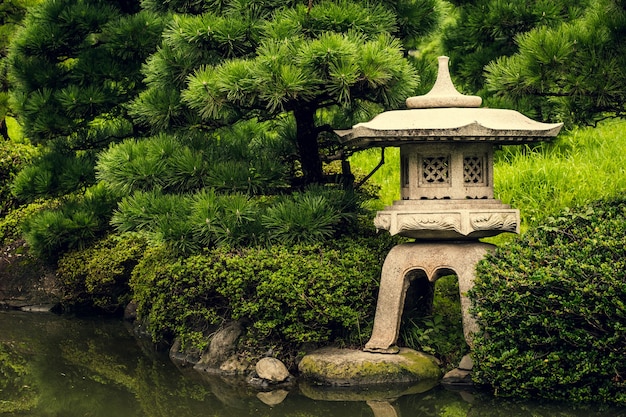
346,367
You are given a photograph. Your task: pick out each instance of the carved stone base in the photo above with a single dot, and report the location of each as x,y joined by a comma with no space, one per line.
448,219
434,260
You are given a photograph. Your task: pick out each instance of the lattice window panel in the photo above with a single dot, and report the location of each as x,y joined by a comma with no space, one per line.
435,170
473,170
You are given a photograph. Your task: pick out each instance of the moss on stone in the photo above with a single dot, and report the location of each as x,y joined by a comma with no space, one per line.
351,367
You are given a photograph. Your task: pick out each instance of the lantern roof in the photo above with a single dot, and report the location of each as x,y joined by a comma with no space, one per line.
445,115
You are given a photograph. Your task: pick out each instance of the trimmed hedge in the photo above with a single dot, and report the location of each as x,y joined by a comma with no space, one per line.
96,278
552,309
285,296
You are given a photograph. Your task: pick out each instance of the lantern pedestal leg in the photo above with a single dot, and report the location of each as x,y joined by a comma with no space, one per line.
435,260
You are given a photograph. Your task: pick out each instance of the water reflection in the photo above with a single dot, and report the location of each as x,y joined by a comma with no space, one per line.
58,366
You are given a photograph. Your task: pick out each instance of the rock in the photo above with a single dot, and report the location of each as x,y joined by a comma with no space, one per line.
379,392
234,366
183,358
458,377
273,398
272,370
466,363
345,367
383,409
130,312
221,347
26,281
44,308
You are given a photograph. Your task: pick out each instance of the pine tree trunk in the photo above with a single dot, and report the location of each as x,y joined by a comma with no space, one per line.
4,131
308,149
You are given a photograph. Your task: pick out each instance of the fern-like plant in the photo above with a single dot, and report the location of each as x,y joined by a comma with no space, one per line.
302,218
73,225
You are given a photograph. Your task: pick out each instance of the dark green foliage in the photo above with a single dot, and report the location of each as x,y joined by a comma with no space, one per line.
54,174
192,40
552,60
285,295
72,67
243,159
574,71
224,220
186,224
11,14
487,29
313,216
161,162
78,69
552,309
242,60
189,223
97,277
75,223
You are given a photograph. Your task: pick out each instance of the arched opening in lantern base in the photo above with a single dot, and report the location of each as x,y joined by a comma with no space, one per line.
431,318
409,272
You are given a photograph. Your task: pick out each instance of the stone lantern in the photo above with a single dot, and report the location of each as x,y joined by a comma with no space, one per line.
446,143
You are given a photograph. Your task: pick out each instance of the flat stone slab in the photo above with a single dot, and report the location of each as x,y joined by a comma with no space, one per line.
353,368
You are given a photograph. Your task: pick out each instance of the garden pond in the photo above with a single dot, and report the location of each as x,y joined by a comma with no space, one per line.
65,366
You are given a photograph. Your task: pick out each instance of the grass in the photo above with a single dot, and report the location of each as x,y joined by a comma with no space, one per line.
387,177
580,166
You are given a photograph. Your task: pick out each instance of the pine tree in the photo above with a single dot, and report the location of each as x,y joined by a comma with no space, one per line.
553,60
72,68
486,29
304,60
575,71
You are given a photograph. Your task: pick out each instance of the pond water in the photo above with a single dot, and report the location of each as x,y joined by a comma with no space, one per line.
58,366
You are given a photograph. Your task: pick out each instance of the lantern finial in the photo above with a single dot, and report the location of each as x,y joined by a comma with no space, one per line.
443,93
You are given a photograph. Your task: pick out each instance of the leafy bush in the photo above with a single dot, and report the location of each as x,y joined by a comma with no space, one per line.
286,295
188,223
97,277
11,224
13,156
552,309
312,216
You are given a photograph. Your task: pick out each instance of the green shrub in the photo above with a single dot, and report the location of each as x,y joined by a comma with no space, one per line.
97,277
312,216
13,156
161,162
552,309
11,223
188,223
285,295
75,223
54,174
